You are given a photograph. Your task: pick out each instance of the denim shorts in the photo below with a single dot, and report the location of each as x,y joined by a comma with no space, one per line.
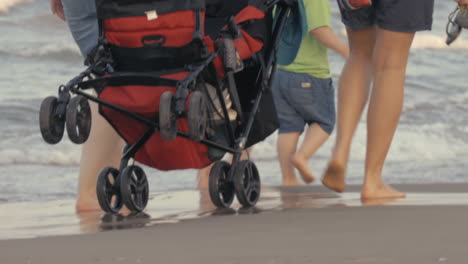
82,21
394,15
302,99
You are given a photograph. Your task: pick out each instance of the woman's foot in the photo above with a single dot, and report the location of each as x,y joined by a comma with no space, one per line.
380,191
300,163
87,205
291,182
334,177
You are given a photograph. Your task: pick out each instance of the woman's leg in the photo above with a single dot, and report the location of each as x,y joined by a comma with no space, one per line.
353,93
104,146
386,102
102,149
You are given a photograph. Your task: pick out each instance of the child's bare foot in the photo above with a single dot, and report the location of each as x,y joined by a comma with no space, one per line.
334,177
300,163
380,191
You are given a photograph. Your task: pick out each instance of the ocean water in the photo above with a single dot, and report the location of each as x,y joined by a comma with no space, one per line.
37,54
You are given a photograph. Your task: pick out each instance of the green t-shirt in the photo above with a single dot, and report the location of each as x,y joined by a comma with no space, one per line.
312,57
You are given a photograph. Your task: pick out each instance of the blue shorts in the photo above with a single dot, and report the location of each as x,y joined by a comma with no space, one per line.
82,21
302,99
394,15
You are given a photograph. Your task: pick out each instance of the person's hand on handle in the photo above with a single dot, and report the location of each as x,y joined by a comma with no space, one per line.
57,8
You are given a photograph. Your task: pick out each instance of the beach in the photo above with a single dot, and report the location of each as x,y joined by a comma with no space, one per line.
289,225
38,54
305,224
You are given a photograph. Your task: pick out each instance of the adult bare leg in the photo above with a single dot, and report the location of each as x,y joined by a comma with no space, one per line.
353,93
102,149
386,102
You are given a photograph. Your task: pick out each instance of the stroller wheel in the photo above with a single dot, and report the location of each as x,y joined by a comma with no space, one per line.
167,118
52,128
78,119
221,190
108,191
197,116
247,183
134,188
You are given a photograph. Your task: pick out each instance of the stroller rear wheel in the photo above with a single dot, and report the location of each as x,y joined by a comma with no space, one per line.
52,127
247,183
167,118
197,116
78,119
134,188
221,190
108,191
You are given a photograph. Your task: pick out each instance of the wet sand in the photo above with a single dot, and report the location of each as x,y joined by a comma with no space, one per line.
290,225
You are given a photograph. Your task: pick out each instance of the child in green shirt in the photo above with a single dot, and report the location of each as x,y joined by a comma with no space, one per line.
304,94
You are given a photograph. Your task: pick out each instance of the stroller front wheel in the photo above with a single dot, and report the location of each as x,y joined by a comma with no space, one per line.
134,188
247,183
167,118
52,127
78,119
108,191
221,190
197,116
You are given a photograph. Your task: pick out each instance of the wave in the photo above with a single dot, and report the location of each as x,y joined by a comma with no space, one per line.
40,156
414,143
436,42
5,5
427,41
58,51
424,143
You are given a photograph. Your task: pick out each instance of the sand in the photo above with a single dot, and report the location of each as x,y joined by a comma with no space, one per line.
290,225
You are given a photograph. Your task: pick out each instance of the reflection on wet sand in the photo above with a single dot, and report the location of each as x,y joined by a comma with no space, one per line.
58,218
92,222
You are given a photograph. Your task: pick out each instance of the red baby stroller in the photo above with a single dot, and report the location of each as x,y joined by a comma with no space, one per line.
183,82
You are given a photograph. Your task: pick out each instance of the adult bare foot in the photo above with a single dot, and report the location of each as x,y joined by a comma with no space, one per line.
380,191
291,183
300,162
334,177
83,205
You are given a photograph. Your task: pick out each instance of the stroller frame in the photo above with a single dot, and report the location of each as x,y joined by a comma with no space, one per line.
128,185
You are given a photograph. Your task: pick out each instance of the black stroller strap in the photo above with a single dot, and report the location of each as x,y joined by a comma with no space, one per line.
124,79
153,58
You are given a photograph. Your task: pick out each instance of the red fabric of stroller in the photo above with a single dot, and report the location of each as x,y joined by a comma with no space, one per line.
180,153
125,24
142,32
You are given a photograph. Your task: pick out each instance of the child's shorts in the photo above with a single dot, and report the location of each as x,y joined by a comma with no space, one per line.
393,15
302,99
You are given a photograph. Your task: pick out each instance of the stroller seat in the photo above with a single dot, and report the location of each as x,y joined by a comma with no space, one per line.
182,82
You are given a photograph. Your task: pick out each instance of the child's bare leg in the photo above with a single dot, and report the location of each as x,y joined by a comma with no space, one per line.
314,138
354,87
391,57
102,149
287,144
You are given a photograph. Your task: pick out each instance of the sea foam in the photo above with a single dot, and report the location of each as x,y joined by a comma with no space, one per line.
5,5
429,41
